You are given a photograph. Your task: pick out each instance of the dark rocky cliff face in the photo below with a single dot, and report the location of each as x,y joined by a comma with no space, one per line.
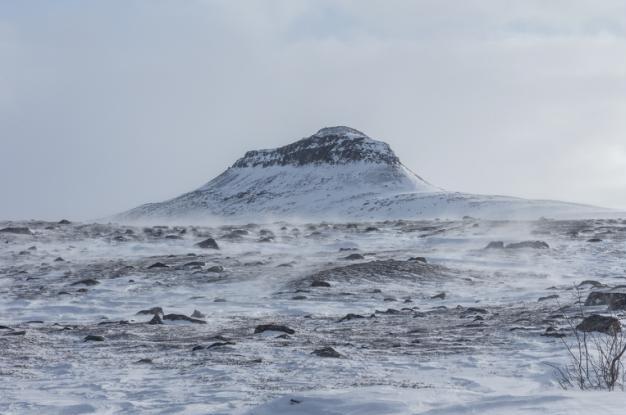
332,146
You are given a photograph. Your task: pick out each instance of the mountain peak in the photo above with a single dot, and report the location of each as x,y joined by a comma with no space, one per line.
340,131
331,145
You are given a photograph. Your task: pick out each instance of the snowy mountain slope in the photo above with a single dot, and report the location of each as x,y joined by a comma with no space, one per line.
338,173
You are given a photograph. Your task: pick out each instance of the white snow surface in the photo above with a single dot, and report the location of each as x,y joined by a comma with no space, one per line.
50,370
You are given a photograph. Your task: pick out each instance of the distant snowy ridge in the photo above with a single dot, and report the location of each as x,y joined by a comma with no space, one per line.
339,173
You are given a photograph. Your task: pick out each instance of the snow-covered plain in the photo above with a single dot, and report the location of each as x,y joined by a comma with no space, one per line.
479,349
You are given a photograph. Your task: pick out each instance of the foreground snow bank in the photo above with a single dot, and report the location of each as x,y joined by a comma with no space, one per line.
383,401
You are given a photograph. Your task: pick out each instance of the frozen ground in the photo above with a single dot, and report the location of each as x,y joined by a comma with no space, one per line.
479,349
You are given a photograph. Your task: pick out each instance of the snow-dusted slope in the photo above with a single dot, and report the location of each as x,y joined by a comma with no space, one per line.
336,174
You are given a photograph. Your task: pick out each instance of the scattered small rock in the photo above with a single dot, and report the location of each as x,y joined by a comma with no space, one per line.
495,245
153,310
197,314
182,317
19,230
615,300
528,244
93,338
327,352
87,281
419,259
156,319
209,243
16,333
273,327
195,264
593,283
601,324
350,316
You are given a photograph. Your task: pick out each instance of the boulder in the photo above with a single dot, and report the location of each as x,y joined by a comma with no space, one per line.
601,324
354,257
19,230
495,245
528,244
182,317
327,352
209,243
87,281
93,338
615,300
153,310
273,327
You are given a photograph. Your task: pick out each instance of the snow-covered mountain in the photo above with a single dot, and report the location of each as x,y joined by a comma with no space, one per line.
338,173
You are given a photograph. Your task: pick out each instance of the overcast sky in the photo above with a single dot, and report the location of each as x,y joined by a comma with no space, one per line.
105,105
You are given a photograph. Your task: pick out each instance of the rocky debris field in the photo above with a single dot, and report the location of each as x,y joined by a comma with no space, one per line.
221,319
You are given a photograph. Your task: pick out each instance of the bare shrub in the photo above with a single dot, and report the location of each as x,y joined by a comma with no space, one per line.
595,360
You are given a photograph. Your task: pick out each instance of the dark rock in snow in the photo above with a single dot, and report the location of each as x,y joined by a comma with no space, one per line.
215,269
593,283
195,264
601,324
93,338
156,319
594,240
153,310
158,265
209,243
197,314
495,245
220,344
327,352
19,230
354,257
419,259
87,281
440,296
59,259
552,332
528,244
350,316
319,283
144,361
273,327
548,297
615,300
64,222
16,333
182,317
